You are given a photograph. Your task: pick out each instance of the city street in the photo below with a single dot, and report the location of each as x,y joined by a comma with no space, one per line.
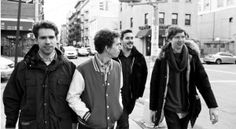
223,80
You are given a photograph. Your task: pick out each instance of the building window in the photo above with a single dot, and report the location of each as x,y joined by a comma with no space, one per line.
222,45
161,18
131,22
120,6
230,2
188,1
146,19
120,25
187,19
174,18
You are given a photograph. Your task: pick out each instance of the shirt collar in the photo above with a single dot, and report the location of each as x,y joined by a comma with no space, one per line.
100,66
49,58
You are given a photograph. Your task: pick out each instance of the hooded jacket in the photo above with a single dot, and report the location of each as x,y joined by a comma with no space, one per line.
196,79
39,92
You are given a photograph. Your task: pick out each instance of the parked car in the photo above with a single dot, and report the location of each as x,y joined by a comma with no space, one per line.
6,67
91,51
83,51
220,57
70,52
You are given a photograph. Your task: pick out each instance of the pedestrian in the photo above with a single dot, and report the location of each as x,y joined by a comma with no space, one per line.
134,69
36,91
176,75
94,92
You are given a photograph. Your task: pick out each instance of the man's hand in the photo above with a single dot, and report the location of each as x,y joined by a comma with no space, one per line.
213,112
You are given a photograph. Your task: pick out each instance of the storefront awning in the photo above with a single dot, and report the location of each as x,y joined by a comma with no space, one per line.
143,33
11,24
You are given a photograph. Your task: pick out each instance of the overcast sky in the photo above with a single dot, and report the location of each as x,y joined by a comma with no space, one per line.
57,10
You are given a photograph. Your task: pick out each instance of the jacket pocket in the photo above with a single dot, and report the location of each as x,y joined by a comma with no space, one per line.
28,124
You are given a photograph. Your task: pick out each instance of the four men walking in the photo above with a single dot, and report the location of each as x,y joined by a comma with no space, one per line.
47,91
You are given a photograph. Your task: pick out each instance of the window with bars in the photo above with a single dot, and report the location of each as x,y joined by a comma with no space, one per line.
187,19
161,18
174,18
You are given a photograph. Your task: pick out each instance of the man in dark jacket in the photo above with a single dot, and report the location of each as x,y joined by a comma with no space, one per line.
134,69
36,91
177,73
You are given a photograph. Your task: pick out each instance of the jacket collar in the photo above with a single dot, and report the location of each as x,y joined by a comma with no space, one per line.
32,57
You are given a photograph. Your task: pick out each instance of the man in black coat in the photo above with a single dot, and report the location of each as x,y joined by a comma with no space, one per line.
134,70
176,75
35,94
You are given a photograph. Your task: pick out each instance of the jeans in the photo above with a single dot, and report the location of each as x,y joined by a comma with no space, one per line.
174,122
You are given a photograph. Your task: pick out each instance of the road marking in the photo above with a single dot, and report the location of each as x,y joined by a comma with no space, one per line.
223,81
221,71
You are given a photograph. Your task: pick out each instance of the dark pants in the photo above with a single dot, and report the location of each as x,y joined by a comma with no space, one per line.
174,122
81,126
123,122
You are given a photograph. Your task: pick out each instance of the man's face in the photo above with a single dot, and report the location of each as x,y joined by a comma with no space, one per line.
178,40
47,40
114,50
128,41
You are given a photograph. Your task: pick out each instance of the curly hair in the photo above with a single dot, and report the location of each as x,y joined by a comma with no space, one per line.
173,30
45,25
104,38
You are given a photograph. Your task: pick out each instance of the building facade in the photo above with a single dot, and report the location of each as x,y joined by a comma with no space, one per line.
64,35
139,18
30,12
217,26
94,15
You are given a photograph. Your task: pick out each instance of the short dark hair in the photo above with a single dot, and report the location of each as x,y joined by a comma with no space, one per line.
45,25
104,38
173,30
124,32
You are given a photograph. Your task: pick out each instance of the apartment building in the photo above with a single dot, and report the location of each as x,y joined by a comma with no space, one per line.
94,15
139,18
217,26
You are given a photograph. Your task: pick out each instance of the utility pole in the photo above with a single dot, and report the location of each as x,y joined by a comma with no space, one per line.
155,24
17,32
155,31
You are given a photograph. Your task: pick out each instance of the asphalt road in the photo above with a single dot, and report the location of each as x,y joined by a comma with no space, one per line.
223,80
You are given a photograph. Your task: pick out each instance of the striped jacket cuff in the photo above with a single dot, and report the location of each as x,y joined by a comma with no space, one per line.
86,116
